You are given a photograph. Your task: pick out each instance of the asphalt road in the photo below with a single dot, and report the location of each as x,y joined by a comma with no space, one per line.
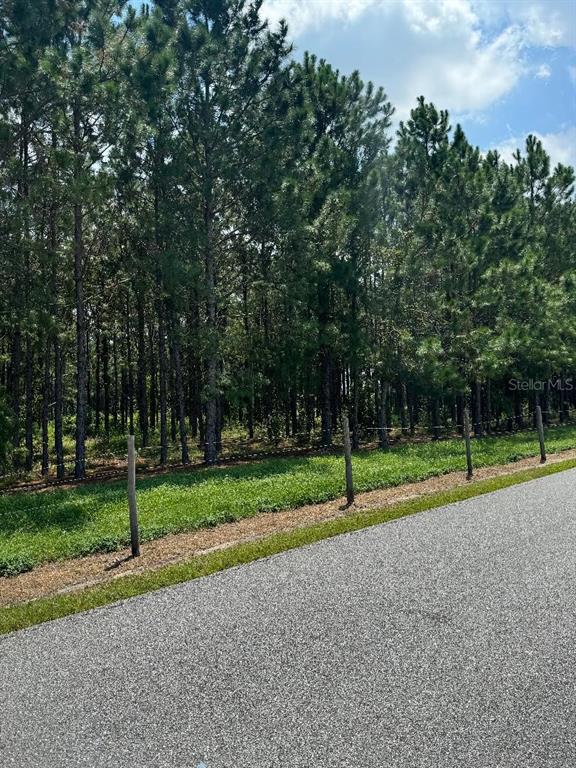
447,639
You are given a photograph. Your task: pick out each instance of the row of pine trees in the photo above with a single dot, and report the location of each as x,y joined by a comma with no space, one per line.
199,230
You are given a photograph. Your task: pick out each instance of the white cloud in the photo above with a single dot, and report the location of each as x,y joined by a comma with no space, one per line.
462,54
456,68
543,22
431,47
305,14
543,72
561,146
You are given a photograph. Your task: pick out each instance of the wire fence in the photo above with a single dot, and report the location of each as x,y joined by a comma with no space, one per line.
46,507
114,466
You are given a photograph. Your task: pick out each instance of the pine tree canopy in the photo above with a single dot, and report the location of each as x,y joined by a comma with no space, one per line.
206,236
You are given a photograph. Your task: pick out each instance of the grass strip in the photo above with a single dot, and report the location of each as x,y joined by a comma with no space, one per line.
24,615
72,522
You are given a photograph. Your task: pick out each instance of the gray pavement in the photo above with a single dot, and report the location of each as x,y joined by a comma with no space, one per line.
447,639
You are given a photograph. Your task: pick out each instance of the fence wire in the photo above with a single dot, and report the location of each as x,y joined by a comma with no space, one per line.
229,452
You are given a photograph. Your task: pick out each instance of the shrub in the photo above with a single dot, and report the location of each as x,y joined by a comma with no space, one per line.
12,566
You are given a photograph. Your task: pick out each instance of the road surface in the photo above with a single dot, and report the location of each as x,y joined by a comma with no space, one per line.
447,639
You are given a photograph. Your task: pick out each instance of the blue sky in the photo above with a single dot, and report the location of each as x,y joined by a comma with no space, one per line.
503,68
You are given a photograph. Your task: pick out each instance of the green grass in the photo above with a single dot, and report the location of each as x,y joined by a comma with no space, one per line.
24,615
63,523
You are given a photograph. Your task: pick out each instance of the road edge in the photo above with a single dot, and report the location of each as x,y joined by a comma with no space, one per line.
23,615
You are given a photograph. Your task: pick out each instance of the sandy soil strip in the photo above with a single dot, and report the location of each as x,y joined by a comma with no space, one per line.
69,575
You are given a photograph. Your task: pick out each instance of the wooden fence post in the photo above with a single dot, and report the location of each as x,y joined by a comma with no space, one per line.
134,535
348,460
540,428
469,468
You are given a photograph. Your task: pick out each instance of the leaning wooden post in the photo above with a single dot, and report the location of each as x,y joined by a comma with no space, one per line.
540,428
134,536
348,460
469,467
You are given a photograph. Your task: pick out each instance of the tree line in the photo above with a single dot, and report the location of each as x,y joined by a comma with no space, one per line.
199,230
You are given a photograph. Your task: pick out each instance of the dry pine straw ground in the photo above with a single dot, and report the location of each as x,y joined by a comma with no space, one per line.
69,575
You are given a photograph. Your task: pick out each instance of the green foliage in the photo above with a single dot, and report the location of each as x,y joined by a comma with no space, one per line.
39,527
12,565
198,230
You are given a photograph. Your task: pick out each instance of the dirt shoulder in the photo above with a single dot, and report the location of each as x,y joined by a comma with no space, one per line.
68,575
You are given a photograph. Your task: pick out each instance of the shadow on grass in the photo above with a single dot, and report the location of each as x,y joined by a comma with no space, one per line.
67,515
259,469
71,509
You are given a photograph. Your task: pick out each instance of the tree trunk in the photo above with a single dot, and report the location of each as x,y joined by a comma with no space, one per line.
22,281
153,380
294,411
14,379
81,358
51,339
383,441
412,410
81,349
477,393
130,372
546,403
355,406
326,414
163,384
195,399
29,404
106,382
402,406
172,404
211,429
123,399
46,396
88,381
250,409
310,412
116,390
179,393
58,408
435,417
460,405
97,390
192,409
142,401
